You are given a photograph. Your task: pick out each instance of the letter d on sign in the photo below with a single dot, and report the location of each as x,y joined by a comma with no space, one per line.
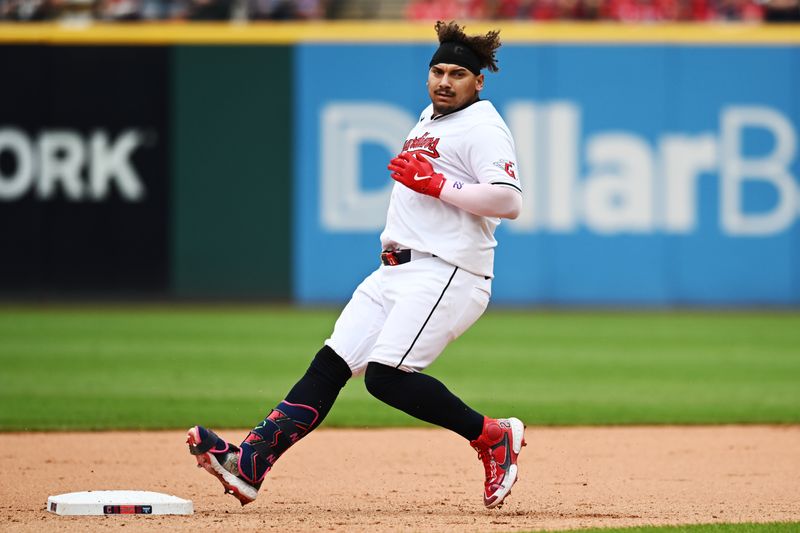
772,168
345,128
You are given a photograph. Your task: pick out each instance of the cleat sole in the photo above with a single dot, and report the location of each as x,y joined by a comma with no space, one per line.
229,482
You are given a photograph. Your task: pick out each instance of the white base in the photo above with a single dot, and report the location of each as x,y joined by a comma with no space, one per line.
111,502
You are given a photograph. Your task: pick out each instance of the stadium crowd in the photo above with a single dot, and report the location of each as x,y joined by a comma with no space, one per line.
538,10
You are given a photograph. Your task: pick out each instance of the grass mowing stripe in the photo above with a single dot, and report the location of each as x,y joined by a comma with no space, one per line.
161,367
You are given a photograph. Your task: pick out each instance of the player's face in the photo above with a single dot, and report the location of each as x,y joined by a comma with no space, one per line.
452,87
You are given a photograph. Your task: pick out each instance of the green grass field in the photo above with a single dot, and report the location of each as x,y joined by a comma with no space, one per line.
170,367
774,527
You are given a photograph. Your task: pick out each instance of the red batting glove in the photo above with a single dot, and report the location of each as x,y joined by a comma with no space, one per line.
415,172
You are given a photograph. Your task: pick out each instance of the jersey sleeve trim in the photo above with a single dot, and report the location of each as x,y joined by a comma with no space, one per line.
506,184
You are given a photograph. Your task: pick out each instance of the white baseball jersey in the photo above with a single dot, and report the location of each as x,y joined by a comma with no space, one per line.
405,315
472,145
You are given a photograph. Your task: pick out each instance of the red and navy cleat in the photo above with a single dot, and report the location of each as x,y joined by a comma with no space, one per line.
221,460
498,447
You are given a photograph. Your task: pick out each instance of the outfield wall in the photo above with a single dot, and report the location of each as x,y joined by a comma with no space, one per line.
660,164
145,171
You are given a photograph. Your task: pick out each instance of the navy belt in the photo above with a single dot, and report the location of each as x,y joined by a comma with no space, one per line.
399,257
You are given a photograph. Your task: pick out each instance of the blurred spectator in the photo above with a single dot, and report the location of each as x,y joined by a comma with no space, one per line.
737,10
132,10
621,10
782,11
123,10
641,10
310,9
509,9
209,10
429,10
43,10
285,9
271,9
32,10
558,10
447,10
698,10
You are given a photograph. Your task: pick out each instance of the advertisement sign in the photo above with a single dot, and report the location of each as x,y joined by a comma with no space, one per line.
84,185
653,175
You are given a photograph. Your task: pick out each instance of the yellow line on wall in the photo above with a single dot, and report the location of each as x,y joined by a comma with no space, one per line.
391,32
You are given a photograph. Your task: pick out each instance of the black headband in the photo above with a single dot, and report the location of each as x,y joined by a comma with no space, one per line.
459,54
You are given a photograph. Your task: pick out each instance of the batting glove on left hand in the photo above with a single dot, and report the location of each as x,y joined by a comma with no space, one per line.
415,172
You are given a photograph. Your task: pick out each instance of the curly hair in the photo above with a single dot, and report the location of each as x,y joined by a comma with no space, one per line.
484,46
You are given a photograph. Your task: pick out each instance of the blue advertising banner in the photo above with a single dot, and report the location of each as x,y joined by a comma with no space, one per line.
653,174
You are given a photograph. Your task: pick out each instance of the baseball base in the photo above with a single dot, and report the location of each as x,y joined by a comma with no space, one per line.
111,502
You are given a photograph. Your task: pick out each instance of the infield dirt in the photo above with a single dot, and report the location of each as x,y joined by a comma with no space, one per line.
421,480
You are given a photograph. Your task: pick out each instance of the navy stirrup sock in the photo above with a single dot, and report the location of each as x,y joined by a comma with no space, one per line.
304,408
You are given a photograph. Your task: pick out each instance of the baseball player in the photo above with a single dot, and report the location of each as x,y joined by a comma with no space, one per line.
455,179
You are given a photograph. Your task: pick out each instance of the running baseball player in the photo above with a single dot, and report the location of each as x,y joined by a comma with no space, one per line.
455,179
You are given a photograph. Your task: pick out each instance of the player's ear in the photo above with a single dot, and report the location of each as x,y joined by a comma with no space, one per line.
479,82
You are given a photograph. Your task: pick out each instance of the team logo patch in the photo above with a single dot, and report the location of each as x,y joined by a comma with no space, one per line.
424,144
507,166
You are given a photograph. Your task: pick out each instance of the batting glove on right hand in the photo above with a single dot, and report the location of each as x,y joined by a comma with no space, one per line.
415,172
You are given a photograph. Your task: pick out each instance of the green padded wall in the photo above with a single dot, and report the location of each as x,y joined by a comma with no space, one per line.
232,172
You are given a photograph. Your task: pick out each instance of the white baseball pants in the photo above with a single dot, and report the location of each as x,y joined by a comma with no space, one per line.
404,315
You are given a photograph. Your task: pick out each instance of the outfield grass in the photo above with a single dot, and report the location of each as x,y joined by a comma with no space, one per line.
151,367
772,527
